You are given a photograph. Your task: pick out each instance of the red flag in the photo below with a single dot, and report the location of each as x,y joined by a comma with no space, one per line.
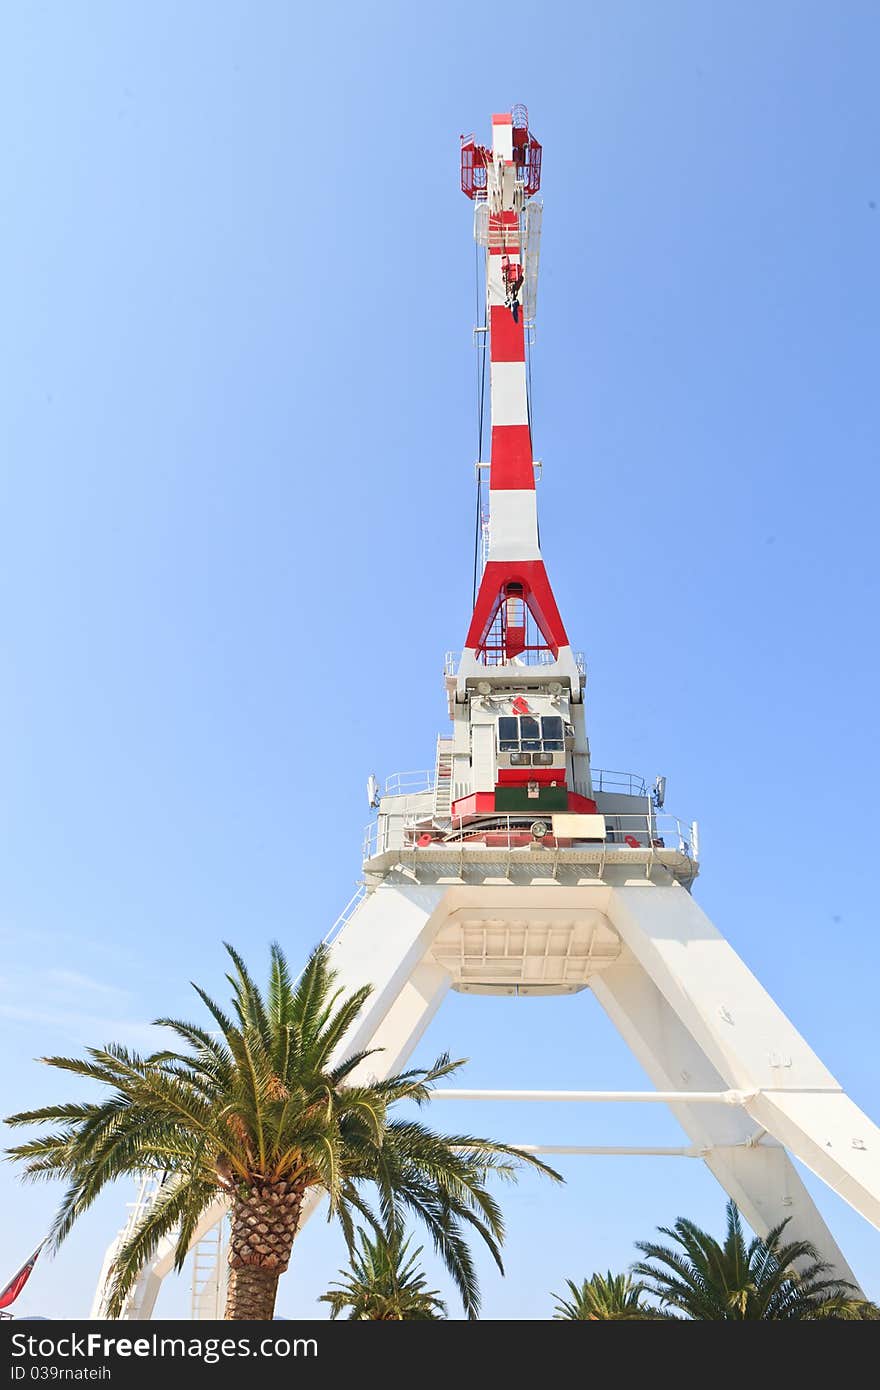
18,1281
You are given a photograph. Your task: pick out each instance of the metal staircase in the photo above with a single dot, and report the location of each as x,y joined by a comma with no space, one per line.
443,780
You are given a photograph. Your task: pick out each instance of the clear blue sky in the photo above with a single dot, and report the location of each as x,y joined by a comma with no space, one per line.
237,430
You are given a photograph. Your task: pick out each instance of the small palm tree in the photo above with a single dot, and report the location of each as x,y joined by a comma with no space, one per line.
767,1278
261,1112
605,1298
384,1283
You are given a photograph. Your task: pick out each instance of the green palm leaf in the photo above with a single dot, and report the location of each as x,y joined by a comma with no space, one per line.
259,1111
605,1298
704,1278
384,1283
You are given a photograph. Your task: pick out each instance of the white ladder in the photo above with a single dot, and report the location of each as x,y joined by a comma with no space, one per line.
443,780
209,1275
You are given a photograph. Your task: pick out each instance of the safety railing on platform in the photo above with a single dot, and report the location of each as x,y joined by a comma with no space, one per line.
603,779
491,232
623,833
543,658
409,783
627,783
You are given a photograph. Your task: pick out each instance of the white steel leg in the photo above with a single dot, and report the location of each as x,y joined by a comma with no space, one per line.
760,1177
748,1040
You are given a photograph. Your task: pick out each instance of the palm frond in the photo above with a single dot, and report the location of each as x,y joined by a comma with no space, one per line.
767,1278
176,1209
260,1112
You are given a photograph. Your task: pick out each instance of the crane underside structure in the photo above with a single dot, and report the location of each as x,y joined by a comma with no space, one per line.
515,867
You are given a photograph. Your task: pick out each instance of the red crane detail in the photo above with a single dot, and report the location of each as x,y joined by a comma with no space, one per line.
526,157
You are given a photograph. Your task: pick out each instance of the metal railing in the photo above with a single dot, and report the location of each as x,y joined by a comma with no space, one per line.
409,783
347,912
626,836
493,233
628,783
545,658
603,779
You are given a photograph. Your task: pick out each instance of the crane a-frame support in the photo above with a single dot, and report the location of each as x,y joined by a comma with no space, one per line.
692,1013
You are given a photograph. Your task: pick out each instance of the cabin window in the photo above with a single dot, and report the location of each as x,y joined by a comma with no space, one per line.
551,733
508,734
529,739
529,734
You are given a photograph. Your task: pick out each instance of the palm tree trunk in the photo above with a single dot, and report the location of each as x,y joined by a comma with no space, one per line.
251,1293
265,1219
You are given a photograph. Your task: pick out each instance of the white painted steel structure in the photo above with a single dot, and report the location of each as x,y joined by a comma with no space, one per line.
515,868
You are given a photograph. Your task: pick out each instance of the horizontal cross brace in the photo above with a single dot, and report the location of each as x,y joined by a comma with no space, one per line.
614,1151
637,1150
596,1097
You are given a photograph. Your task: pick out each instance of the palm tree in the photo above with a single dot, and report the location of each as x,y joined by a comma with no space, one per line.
605,1298
768,1278
384,1284
261,1111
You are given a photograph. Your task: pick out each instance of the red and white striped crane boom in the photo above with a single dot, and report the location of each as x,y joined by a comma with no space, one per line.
514,584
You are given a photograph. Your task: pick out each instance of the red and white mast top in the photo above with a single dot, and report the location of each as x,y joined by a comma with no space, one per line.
514,583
